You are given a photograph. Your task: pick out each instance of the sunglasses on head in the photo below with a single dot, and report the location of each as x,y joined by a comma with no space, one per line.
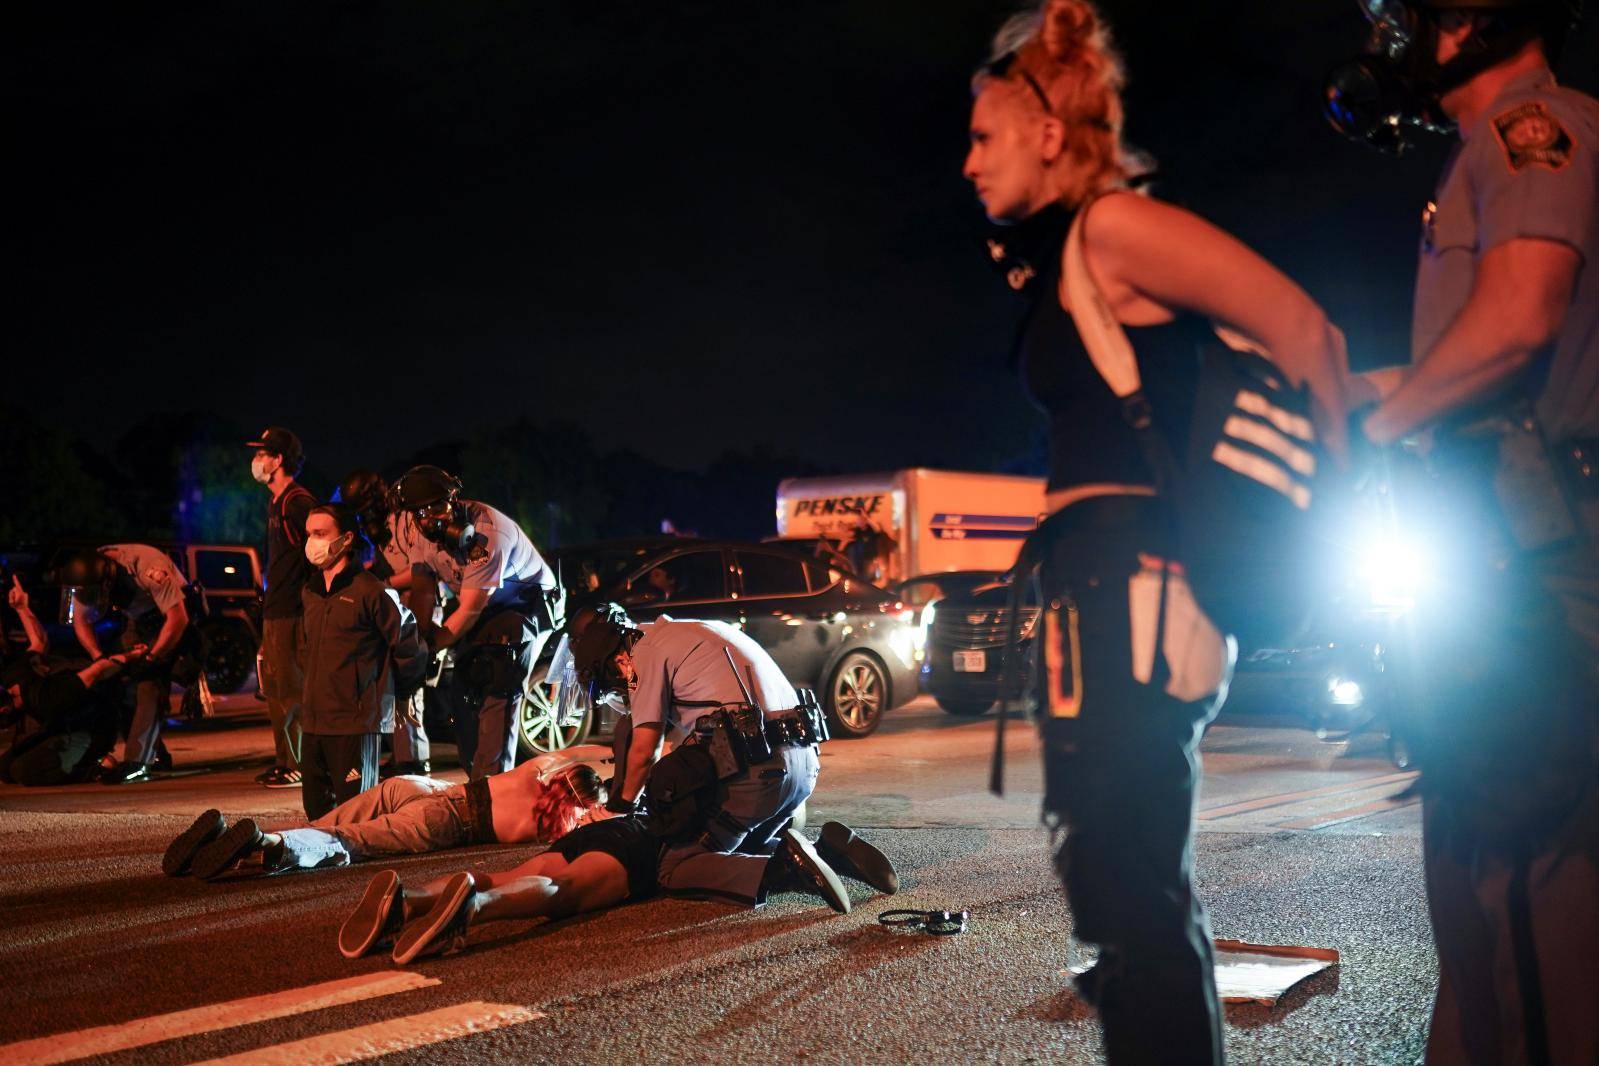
1003,66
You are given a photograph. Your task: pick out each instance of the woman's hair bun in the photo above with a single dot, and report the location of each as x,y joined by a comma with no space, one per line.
1067,29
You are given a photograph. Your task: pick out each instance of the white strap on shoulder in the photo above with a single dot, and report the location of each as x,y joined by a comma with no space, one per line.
1102,335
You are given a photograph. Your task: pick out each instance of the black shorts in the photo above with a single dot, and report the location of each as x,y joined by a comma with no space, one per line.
627,840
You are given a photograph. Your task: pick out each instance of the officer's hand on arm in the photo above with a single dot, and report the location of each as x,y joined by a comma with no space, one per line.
1375,386
1517,305
111,665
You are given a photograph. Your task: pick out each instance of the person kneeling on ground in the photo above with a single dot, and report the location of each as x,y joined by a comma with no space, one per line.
609,861
63,725
722,825
539,801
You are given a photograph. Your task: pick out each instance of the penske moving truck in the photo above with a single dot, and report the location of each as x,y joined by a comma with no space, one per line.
904,523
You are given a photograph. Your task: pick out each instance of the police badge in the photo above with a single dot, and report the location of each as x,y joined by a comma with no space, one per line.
1531,136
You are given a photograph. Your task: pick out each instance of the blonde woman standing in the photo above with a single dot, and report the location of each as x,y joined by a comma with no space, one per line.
1121,731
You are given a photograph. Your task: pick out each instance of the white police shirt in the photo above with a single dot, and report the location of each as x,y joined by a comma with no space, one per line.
160,586
501,560
1528,168
682,662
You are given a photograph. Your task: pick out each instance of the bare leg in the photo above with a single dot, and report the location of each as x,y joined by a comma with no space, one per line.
591,881
420,899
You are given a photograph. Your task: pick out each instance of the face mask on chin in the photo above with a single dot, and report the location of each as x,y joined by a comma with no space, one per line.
323,552
262,467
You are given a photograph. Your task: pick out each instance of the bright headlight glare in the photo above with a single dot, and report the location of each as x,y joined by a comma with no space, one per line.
1343,692
1393,571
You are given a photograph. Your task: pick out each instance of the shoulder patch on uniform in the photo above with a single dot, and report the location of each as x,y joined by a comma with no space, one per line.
1531,136
479,549
158,576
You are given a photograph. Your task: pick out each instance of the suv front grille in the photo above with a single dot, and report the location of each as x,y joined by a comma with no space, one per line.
955,628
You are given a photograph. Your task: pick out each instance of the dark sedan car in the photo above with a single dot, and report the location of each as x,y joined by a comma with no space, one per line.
854,643
964,626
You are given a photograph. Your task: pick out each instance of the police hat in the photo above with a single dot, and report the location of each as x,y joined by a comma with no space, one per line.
282,443
424,486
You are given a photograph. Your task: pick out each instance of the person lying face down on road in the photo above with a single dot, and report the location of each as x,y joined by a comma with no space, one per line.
537,802
606,862
727,827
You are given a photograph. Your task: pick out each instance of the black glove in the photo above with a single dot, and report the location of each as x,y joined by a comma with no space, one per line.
617,805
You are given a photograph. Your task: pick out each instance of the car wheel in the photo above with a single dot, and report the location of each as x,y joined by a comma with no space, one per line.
965,708
541,726
229,656
857,695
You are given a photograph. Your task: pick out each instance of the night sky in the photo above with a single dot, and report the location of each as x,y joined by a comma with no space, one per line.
688,226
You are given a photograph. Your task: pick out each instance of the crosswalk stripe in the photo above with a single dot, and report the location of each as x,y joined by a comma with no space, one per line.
105,1039
385,1038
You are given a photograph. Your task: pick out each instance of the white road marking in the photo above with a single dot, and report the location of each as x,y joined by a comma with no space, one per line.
385,1038
105,1039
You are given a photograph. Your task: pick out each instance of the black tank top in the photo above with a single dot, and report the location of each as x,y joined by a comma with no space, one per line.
1089,440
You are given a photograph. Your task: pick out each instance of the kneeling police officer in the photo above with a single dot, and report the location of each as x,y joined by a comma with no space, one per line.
507,601
724,799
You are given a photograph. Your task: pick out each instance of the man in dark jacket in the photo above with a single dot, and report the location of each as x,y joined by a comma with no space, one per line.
351,627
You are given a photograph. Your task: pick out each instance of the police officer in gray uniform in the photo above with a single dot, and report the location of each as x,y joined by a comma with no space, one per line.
144,585
1505,373
506,601
681,678
395,538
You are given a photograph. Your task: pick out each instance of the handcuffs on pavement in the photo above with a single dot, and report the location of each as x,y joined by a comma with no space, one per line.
938,923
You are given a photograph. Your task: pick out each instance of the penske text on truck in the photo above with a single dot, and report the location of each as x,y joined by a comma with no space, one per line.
903,523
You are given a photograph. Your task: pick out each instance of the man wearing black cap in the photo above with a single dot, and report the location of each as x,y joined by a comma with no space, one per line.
278,458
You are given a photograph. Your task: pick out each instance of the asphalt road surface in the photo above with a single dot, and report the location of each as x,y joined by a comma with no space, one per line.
1301,842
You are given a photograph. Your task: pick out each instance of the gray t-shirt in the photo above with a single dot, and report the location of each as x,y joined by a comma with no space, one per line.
160,586
685,662
1528,168
501,560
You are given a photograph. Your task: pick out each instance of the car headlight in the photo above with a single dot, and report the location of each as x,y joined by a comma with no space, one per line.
1344,693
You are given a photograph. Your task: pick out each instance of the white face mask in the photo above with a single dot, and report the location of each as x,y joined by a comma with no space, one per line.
261,468
323,552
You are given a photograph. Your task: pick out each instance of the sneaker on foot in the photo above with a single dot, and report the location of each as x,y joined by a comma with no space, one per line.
282,777
223,853
443,927
187,844
376,918
125,772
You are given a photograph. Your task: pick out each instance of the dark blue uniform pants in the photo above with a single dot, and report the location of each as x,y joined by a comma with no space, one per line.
727,861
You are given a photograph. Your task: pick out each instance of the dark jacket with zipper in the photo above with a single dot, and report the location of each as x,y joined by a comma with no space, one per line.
346,646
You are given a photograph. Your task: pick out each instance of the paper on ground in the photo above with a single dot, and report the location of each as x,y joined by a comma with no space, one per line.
1262,973
1259,973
